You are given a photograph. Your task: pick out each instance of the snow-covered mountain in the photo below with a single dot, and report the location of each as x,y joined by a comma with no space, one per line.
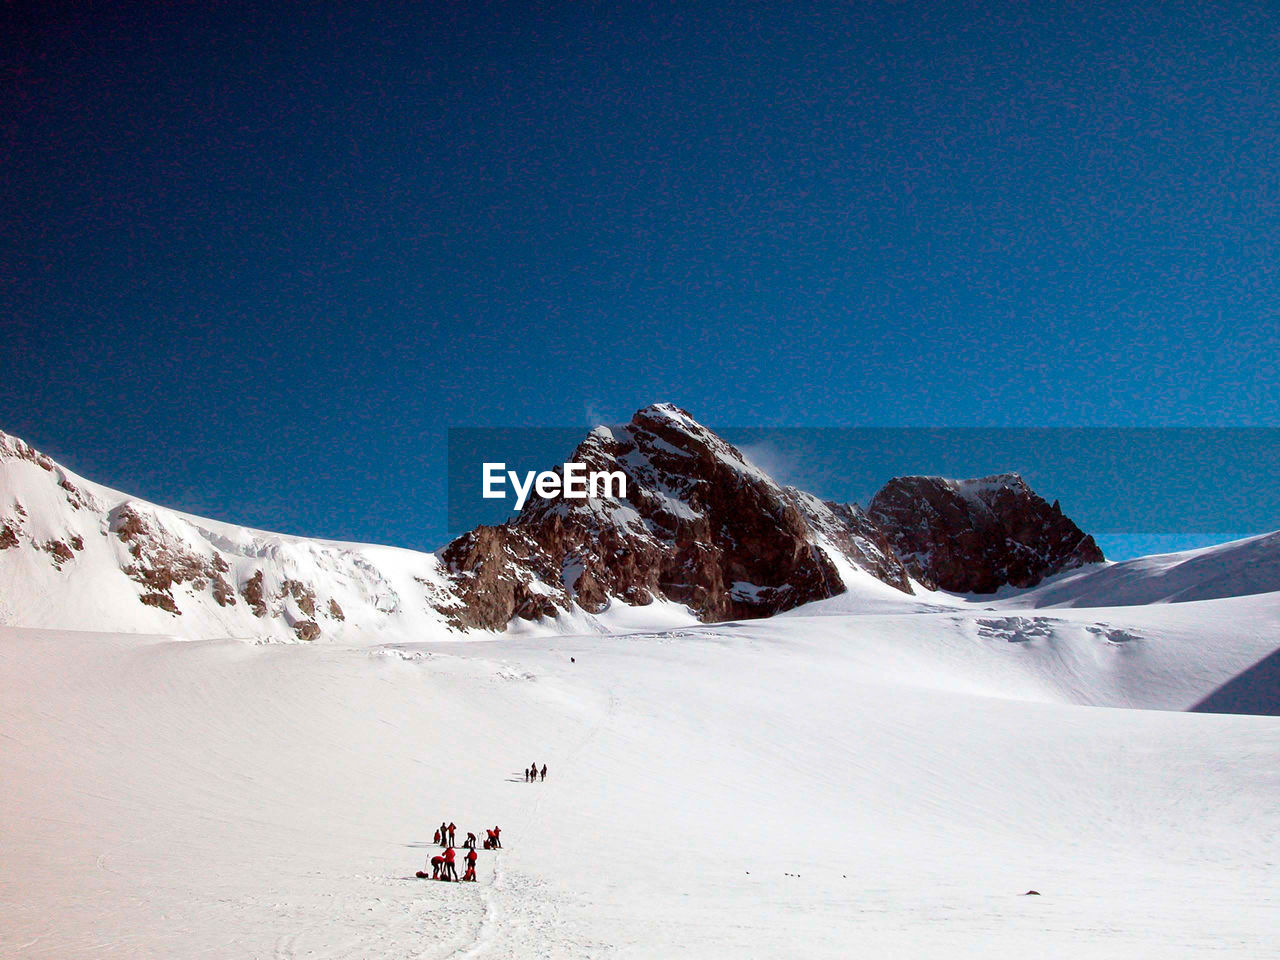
77,555
702,534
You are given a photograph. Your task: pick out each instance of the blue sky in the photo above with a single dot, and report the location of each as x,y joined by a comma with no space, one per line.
256,261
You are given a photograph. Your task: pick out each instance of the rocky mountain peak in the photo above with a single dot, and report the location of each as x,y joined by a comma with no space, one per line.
700,526
975,536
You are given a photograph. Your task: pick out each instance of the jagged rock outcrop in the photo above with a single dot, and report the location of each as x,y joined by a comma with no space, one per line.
163,560
700,525
976,536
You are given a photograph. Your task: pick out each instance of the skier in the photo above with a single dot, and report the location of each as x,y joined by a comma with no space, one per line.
450,870
470,842
452,828
471,866
544,771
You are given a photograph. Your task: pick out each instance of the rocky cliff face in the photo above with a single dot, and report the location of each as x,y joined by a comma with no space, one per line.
700,526
975,536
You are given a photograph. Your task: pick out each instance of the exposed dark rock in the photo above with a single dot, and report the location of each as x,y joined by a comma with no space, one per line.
223,594
163,560
975,536
162,600
335,610
60,552
307,629
253,595
13,447
8,536
302,594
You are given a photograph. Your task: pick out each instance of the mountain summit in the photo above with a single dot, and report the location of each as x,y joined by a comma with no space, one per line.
700,527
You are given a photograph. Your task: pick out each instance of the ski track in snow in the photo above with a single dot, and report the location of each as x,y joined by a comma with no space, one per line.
520,917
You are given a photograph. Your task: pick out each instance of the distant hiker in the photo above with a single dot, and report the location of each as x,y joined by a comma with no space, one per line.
436,841
497,837
488,841
470,842
544,771
526,775
572,660
452,828
471,866
444,834
436,863
533,773
450,870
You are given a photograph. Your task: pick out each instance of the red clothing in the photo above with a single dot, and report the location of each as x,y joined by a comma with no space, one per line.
448,855
471,857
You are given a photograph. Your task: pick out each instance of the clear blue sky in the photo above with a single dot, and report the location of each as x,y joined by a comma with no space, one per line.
255,261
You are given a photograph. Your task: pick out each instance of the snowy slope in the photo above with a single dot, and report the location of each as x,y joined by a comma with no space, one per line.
78,555
1239,568
811,785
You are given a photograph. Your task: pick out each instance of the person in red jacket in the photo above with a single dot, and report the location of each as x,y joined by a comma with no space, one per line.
436,841
497,836
470,842
452,829
471,865
437,864
450,869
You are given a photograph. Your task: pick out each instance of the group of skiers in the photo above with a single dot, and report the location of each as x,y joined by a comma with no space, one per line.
444,866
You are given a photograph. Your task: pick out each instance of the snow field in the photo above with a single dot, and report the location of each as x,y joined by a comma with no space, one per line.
223,799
